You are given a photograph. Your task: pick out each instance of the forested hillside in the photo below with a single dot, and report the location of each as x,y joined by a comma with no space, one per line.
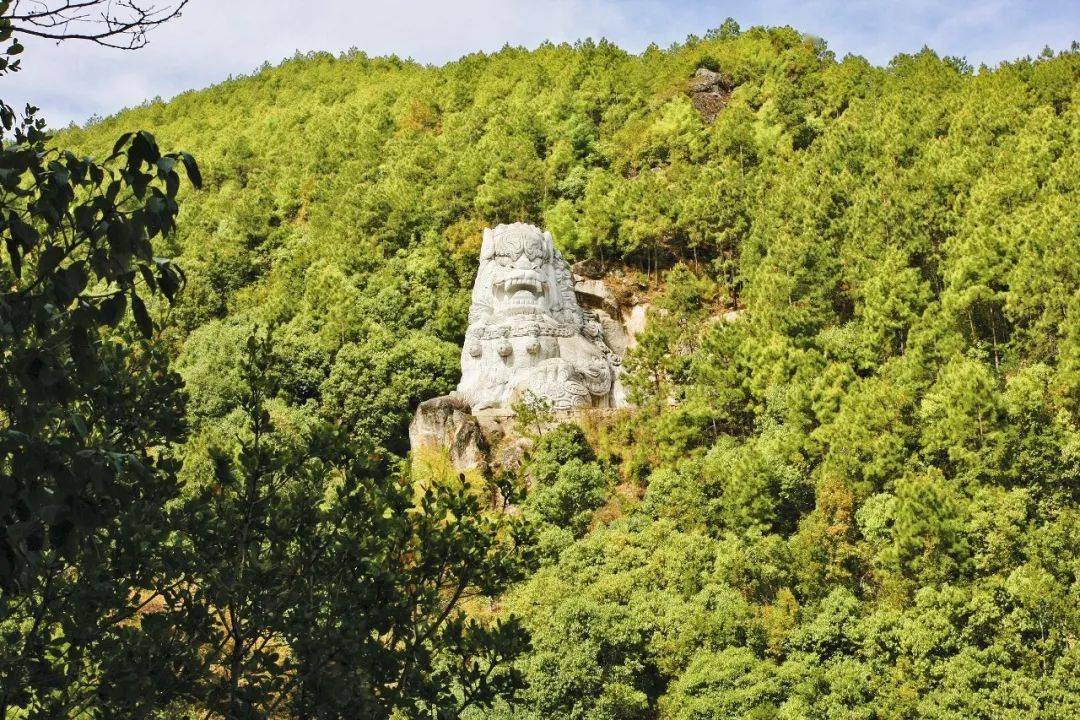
850,486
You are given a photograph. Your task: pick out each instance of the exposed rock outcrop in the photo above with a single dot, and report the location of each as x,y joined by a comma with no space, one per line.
447,423
619,311
709,93
635,323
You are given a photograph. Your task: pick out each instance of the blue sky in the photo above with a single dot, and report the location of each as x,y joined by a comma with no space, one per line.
218,38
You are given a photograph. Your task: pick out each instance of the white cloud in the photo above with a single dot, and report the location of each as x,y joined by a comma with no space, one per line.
218,38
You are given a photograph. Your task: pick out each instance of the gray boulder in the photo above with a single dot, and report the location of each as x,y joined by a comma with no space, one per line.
447,423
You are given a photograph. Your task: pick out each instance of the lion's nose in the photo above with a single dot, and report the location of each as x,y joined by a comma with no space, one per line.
522,263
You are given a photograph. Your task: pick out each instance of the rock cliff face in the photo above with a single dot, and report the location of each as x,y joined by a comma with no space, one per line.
447,423
598,298
709,92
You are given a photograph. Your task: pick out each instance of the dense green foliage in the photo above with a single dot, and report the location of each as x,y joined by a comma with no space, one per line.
298,572
332,586
858,440
86,407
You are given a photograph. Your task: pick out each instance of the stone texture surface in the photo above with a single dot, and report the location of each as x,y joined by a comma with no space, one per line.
593,294
528,336
614,333
512,455
709,93
635,323
447,423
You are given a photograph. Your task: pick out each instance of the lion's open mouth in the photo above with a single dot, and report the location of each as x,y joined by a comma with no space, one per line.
519,291
526,280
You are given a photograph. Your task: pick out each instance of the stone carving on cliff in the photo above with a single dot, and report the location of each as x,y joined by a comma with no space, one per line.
527,335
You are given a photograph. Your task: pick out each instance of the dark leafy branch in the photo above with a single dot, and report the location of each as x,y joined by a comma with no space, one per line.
120,24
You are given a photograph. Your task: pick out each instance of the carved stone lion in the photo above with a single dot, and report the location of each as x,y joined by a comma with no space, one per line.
527,333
